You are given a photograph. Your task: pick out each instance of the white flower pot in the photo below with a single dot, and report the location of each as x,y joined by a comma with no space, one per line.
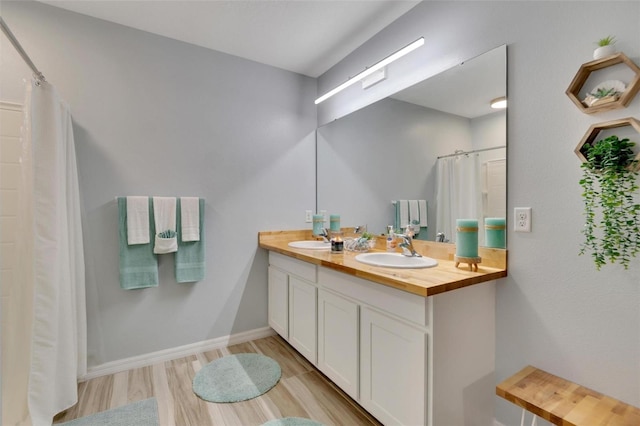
604,51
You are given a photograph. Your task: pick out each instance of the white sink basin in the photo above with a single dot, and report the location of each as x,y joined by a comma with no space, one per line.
310,245
396,260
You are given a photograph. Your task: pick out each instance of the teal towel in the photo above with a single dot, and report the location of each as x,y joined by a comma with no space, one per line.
138,264
190,265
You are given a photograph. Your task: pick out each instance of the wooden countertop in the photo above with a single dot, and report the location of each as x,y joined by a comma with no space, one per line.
423,282
563,402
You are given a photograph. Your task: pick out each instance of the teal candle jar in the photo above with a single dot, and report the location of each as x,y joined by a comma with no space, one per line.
318,224
495,232
334,223
467,238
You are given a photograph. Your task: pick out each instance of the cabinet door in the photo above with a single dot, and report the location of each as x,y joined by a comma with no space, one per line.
302,317
279,301
393,369
338,341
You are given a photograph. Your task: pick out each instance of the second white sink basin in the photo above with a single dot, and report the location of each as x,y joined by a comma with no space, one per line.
310,245
396,260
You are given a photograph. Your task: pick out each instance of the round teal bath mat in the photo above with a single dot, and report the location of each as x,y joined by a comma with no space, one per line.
236,378
292,421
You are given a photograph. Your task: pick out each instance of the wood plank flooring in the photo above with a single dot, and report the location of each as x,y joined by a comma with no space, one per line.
302,392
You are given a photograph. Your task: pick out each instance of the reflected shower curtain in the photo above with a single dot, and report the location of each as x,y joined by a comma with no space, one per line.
459,192
53,265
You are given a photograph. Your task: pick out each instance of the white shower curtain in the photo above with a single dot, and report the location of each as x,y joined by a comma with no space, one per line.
53,261
459,192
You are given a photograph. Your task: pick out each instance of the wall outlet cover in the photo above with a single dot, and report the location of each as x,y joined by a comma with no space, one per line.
522,219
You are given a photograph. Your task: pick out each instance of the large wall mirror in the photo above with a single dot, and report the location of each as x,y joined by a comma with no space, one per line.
438,141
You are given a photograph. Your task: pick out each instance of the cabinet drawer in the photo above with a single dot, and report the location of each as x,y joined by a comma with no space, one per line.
405,305
304,270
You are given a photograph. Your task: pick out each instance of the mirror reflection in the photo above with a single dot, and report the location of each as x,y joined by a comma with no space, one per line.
438,142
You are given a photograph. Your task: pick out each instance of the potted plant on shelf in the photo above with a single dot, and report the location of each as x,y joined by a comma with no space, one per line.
605,47
609,182
604,93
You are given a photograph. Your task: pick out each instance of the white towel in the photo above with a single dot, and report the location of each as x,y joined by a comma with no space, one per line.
404,213
138,220
422,206
164,215
414,213
190,218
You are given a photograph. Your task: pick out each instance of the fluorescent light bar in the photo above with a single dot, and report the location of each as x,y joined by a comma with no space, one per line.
499,103
386,61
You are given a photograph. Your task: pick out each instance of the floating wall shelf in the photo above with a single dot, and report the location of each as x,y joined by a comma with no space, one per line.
591,135
585,71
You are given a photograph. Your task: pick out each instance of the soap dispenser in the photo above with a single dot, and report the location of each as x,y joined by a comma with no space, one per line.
391,239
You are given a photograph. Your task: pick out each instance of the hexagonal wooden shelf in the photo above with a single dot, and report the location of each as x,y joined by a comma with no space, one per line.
591,135
585,71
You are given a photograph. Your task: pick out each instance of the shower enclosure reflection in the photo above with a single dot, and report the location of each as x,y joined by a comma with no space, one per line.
389,151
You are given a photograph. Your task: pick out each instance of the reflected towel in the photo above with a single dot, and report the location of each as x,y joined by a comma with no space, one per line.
138,264
404,214
190,218
164,214
138,220
414,212
422,207
190,263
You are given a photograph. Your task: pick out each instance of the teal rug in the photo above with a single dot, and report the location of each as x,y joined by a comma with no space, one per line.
292,421
141,413
236,378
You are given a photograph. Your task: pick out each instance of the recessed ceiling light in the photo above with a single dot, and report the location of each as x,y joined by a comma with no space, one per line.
499,103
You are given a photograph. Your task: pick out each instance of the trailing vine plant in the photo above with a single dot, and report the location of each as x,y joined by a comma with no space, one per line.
612,217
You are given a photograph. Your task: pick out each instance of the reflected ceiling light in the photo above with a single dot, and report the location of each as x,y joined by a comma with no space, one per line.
386,61
499,103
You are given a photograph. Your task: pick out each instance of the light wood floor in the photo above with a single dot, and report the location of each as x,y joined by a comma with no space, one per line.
301,392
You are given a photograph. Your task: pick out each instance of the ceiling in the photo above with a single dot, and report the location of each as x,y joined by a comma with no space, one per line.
304,36
465,89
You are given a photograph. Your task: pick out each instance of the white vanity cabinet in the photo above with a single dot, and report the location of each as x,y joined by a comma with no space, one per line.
405,358
393,366
292,303
338,344
391,337
279,301
303,302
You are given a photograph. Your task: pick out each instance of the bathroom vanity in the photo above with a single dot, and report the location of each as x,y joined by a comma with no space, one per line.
411,346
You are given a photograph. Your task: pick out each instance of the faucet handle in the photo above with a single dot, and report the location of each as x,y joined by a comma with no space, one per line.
408,231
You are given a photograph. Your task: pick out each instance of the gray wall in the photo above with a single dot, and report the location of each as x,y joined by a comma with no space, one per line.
554,310
153,116
489,131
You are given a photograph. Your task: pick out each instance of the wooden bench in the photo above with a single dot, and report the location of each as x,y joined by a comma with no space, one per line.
563,402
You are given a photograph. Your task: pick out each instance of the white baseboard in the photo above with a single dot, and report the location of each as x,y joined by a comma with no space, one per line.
145,360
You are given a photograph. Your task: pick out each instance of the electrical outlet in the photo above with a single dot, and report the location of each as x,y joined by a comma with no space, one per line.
522,222
308,216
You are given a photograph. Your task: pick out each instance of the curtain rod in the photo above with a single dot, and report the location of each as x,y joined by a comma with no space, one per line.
473,151
5,29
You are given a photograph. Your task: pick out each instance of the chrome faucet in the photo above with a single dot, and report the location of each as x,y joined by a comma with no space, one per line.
407,244
440,238
324,234
359,229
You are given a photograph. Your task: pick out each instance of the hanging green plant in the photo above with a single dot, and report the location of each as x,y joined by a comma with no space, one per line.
612,217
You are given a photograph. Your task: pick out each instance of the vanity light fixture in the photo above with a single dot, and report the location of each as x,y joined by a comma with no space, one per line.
499,103
386,61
